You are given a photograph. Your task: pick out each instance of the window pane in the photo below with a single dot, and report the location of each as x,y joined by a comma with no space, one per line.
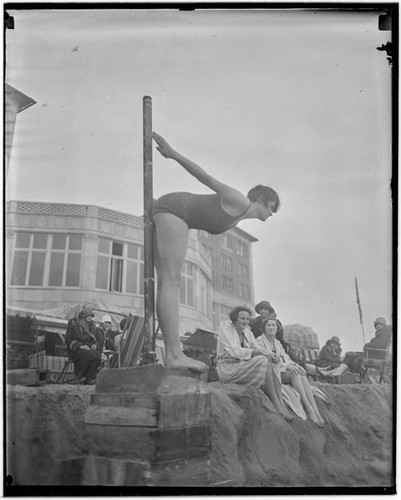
73,269
132,251
18,273
56,269
132,277
142,254
37,266
22,240
75,242
39,240
116,275
117,249
104,245
102,272
59,241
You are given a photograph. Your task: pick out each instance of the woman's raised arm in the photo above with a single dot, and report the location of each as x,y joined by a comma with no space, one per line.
232,196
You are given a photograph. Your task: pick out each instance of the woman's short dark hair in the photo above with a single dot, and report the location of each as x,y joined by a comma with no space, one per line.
235,312
265,194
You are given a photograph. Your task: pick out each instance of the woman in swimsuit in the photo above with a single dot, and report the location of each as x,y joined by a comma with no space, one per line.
173,215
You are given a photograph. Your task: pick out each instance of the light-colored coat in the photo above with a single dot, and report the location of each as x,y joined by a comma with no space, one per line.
235,363
285,360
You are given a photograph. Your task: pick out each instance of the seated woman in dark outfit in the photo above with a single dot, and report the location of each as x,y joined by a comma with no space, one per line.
82,346
173,215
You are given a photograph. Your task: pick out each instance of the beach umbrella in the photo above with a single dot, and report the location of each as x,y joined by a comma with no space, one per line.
301,336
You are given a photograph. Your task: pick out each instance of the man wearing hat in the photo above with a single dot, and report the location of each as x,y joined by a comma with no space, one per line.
265,309
382,336
83,347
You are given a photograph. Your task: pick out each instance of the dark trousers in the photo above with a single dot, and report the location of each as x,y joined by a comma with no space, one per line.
353,360
86,363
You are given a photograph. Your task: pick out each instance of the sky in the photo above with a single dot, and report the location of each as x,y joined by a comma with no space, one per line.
297,100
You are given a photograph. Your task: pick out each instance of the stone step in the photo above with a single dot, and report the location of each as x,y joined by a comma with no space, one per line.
121,416
125,400
27,376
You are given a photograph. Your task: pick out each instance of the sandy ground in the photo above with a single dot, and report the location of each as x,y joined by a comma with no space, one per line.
251,444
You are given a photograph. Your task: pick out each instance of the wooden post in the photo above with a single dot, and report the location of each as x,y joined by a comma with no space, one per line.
149,344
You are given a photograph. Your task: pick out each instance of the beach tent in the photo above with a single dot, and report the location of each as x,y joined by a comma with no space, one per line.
68,311
301,336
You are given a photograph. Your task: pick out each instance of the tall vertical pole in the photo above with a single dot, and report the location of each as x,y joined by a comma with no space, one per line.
149,344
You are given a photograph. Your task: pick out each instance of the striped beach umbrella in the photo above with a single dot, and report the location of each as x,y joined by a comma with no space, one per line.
301,336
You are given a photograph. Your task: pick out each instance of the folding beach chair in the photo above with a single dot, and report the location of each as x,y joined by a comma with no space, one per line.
130,346
376,359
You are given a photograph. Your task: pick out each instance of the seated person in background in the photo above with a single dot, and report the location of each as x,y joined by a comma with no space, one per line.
330,354
265,309
287,371
106,339
382,336
82,346
108,334
240,360
353,360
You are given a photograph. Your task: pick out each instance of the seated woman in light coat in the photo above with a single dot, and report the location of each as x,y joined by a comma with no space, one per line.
241,361
288,371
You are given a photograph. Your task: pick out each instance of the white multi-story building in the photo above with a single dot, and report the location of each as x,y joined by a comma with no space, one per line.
63,255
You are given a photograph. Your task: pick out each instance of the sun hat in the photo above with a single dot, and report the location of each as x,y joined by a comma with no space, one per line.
105,319
264,305
86,311
335,340
380,321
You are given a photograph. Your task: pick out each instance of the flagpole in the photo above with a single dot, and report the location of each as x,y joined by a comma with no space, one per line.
360,309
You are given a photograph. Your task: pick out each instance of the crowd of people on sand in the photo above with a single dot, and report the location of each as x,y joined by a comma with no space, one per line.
253,352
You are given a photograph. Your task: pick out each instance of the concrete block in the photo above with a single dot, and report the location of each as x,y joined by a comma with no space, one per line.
126,442
185,409
141,379
183,443
121,416
27,376
125,400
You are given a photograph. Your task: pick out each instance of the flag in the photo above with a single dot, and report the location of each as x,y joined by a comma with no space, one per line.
358,301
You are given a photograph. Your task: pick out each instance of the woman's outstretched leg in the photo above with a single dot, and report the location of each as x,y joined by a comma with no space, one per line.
297,384
271,393
171,247
337,371
311,399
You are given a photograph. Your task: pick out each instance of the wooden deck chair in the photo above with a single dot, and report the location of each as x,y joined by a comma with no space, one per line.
376,359
131,343
66,374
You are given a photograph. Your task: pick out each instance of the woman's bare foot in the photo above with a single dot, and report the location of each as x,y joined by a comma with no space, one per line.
185,362
312,415
284,413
